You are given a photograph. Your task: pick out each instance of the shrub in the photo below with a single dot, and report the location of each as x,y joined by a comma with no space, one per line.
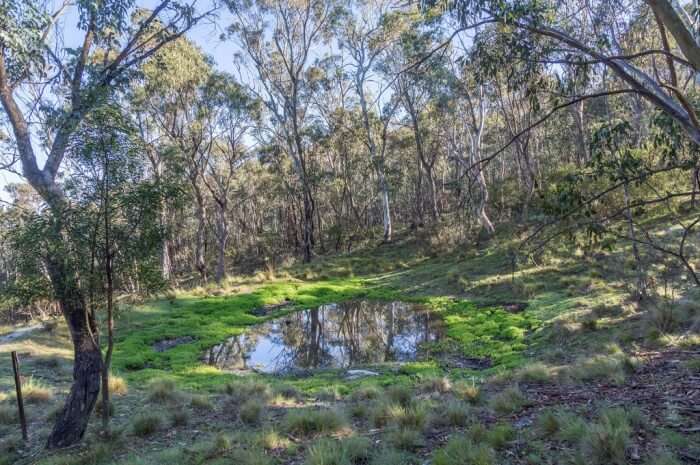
462,451
146,424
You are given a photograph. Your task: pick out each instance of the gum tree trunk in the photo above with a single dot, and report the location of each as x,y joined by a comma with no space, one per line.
72,422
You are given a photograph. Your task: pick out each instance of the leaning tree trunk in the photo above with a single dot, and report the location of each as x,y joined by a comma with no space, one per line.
72,422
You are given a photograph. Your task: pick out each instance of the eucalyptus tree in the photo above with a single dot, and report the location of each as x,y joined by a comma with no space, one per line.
367,35
61,86
229,115
471,107
279,40
113,222
172,109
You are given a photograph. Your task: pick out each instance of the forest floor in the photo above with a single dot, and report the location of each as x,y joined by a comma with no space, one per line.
550,364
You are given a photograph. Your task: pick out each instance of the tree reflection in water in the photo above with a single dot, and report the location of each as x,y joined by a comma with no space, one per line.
331,336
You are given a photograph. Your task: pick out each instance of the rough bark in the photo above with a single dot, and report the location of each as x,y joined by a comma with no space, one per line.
72,422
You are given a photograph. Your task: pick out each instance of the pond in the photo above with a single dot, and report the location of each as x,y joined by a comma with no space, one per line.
340,335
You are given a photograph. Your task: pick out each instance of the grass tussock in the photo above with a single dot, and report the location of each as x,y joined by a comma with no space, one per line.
349,451
462,451
35,392
117,385
607,440
251,412
240,392
308,422
201,402
146,424
508,401
163,391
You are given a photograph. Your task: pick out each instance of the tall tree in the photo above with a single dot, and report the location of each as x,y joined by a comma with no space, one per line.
110,48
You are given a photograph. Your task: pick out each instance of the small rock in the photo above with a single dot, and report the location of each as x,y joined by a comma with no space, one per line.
356,374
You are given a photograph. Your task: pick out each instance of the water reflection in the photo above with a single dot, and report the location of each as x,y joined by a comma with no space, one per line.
331,336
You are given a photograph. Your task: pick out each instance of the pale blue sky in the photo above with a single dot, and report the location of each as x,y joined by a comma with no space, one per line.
206,35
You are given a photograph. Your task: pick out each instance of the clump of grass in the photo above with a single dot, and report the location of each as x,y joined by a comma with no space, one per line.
365,393
441,385
508,401
391,456
146,424
405,438
201,402
331,393
99,407
309,422
607,440
8,414
162,391
242,391
117,385
400,394
220,444
662,457
414,416
179,417
287,392
468,391
250,457
453,413
462,451
272,440
359,411
251,412
35,392
549,423
534,373
500,435
353,450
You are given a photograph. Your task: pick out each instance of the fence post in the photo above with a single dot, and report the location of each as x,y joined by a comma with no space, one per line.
20,401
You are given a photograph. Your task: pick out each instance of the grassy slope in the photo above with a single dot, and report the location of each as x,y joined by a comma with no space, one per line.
576,312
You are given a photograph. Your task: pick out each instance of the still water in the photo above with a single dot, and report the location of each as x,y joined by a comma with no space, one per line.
330,336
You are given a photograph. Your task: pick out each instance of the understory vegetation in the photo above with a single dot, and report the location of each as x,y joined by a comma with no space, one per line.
557,388
350,232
